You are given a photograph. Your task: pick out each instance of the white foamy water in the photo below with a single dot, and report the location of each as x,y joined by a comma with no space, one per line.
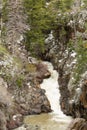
51,87
52,91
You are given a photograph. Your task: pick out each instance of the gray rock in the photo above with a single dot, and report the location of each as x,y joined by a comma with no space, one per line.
2,121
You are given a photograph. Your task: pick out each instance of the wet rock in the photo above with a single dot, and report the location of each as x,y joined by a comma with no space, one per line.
65,94
78,124
29,127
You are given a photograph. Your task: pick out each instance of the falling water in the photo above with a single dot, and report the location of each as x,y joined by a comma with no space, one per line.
55,120
52,91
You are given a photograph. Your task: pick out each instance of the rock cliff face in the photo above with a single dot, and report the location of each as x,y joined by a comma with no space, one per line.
79,105
20,74
73,96
20,92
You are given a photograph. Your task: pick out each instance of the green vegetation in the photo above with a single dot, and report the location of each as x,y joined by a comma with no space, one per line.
63,5
40,24
7,68
19,81
42,19
30,68
81,66
4,11
85,3
3,50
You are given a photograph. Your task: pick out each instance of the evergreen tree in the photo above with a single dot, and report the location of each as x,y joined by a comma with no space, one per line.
63,5
81,66
39,21
42,19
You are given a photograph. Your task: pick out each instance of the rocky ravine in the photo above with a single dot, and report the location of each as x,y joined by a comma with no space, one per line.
64,61
73,97
20,74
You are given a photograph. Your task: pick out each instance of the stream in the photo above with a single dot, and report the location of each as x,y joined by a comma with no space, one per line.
55,120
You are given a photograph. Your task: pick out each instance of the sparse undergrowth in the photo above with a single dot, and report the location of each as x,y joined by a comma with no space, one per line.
12,69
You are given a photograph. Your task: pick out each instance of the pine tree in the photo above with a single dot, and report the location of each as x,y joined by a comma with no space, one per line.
39,21
63,5
42,20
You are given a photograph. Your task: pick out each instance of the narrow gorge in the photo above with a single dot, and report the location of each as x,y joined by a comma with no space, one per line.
43,65
55,119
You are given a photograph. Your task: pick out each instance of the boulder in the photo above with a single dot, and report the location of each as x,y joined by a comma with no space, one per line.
78,124
42,72
32,101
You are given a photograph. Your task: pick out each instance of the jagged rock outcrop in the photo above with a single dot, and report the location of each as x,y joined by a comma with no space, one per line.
24,75
20,92
78,106
20,77
64,60
15,26
32,101
7,108
23,100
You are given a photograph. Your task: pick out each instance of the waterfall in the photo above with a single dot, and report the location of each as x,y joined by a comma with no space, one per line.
51,87
55,120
